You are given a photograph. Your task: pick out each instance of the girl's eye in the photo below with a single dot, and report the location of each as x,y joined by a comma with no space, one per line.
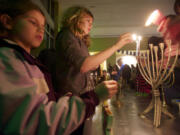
34,23
89,21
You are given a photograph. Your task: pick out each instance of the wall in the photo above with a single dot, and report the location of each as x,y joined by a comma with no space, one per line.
99,44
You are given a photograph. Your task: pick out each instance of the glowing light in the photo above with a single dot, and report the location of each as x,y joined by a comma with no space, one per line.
139,38
129,60
154,18
138,41
134,37
151,18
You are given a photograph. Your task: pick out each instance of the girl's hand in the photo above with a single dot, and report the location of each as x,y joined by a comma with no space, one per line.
124,39
106,89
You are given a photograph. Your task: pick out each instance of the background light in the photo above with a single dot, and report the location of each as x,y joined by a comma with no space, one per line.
139,38
134,37
129,60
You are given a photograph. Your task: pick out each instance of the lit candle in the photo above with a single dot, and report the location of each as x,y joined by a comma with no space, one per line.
134,37
155,18
138,44
137,39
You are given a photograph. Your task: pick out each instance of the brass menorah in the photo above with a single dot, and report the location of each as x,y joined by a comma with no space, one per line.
156,71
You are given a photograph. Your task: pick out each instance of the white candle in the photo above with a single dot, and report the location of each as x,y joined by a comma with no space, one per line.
134,37
137,39
137,47
138,44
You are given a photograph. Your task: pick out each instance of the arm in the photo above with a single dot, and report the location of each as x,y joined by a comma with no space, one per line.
24,111
91,62
67,45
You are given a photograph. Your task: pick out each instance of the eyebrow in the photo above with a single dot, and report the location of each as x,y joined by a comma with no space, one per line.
36,20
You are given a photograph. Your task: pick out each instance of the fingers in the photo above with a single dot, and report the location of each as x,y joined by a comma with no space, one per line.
69,94
124,39
126,36
112,87
110,82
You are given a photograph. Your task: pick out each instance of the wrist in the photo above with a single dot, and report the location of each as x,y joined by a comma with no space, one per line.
117,46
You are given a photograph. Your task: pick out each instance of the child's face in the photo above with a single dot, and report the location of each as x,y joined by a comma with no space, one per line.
28,30
170,29
86,23
163,27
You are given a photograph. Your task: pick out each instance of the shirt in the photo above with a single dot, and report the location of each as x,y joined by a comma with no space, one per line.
71,52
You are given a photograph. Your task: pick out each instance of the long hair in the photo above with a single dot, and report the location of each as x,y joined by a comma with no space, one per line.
14,8
71,18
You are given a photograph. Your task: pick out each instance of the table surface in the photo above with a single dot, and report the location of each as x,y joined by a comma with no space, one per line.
127,121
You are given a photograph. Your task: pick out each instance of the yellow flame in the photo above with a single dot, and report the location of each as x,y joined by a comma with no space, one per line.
134,37
152,17
139,37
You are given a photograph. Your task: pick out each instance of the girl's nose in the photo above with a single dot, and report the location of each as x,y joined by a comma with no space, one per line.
41,29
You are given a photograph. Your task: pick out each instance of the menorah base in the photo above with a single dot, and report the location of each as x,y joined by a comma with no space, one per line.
163,109
158,108
166,112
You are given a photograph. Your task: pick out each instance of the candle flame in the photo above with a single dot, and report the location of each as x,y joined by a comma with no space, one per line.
134,37
154,15
139,37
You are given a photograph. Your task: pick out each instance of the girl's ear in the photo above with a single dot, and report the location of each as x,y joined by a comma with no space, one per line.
6,20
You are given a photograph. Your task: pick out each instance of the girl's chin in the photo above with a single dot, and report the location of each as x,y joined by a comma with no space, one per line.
36,45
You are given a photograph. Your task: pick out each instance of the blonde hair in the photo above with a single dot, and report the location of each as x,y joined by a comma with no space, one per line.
71,18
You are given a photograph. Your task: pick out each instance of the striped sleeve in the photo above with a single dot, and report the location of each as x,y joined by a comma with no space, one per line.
24,111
